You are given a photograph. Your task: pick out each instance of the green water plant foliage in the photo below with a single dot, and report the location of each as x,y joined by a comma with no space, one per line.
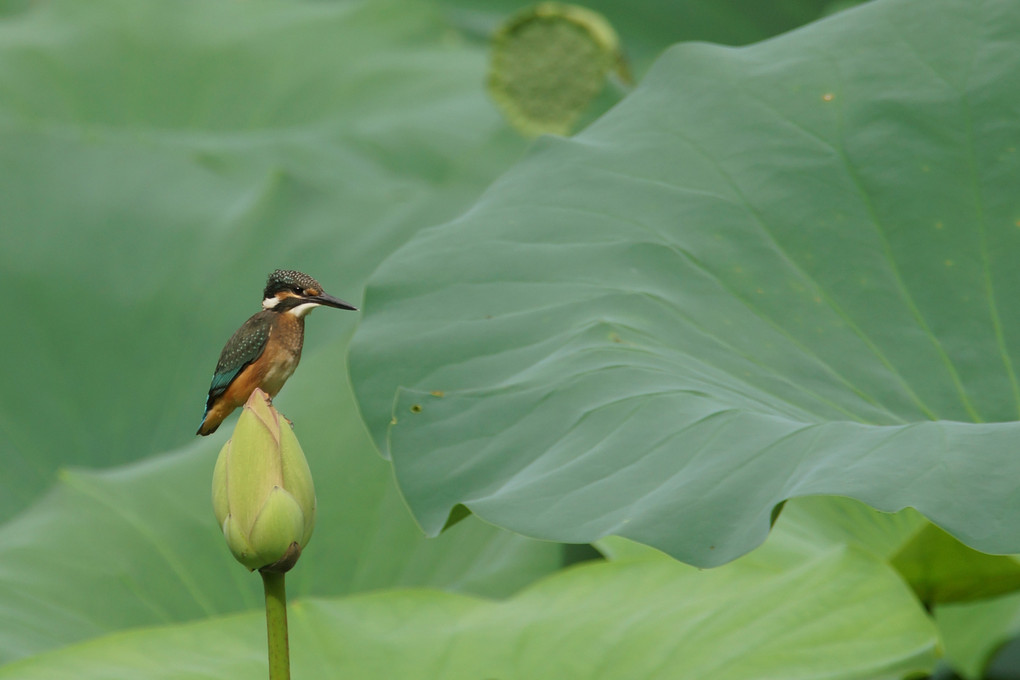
812,614
158,158
772,271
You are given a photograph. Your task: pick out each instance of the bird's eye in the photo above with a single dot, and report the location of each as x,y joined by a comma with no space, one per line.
297,289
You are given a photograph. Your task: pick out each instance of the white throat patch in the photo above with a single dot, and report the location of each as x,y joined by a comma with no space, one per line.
301,310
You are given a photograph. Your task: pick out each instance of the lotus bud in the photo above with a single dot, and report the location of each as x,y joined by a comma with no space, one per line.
262,489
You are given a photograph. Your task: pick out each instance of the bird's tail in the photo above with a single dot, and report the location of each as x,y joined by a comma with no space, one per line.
207,428
210,421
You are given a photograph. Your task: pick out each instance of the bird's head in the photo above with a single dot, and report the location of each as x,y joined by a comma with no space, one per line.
292,292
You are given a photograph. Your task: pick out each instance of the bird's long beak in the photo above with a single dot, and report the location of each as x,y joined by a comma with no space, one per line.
327,300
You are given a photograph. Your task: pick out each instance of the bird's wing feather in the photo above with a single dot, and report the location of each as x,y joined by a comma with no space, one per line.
244,347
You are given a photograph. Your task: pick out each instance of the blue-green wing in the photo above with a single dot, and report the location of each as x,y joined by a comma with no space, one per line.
244,347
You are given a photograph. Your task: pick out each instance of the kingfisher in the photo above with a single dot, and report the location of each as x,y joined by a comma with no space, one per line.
266,349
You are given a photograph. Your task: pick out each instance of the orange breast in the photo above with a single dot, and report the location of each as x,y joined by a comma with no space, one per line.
269,372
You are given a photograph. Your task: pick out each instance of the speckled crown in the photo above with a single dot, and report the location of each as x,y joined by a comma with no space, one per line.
285,279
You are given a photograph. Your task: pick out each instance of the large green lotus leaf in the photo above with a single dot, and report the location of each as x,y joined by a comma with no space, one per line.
937,566
840,614
139,546
974,631
158,159
824,521
771,272
942,570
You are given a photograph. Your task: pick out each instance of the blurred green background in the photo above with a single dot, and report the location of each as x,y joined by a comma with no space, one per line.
158,160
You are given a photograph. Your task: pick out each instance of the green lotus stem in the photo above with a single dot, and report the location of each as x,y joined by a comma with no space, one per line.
276,625
264,501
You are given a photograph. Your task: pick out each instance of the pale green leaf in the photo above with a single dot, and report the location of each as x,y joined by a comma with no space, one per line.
937,566
973,631
842,614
